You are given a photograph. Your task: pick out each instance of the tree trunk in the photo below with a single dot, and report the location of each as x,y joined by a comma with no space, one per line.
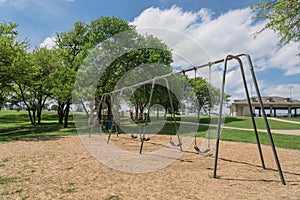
39,111
165,115
39,115
30,116
84,109
66,114
109,112
60,112
136,112
100,113
34,115
41,104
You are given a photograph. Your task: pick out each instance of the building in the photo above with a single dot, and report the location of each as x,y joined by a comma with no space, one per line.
274,106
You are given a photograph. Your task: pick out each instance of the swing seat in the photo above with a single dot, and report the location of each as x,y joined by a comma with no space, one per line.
175,145
146,139
133,136
198,150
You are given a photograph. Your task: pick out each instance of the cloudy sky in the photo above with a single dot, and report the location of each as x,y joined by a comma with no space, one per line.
197,31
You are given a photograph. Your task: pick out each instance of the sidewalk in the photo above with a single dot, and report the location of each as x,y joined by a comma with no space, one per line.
275,131
286,132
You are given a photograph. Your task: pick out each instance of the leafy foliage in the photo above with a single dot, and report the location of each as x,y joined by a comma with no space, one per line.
283,17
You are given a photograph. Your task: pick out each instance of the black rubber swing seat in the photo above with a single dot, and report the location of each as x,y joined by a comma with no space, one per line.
175,145
146,139
134,136
199,150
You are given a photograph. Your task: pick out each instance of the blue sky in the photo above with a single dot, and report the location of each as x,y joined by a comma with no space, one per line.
219,27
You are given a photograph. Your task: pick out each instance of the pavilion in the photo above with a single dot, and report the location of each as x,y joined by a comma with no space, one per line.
274,107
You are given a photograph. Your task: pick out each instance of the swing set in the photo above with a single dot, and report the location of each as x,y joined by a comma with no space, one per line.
207,149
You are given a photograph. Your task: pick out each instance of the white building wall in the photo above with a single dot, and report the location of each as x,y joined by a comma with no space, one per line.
246,110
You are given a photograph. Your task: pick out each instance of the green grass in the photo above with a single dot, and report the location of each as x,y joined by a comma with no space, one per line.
243,122
6,180
292,119
280,140
16,125
113,197
246,122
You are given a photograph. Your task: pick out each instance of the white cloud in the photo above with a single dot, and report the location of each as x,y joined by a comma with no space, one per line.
2,1
287,90
173,18
48,42
204,38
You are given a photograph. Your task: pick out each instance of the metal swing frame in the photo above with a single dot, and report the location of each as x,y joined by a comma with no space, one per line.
238,59
197,149
174,118
225,61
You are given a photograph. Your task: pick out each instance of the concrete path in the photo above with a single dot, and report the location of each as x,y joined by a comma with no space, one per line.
286,132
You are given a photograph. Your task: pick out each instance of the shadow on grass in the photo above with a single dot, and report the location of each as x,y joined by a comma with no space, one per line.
230,119
44,131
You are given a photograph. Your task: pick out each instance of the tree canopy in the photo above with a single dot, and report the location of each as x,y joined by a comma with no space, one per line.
35,76
283,17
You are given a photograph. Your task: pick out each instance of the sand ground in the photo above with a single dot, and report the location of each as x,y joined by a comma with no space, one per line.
62,168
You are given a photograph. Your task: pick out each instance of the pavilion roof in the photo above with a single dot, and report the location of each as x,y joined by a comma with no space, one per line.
267,101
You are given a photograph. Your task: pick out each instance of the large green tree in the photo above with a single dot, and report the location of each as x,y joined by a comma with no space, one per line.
71,48
120,49
283,17
44,63
153,58
22,74
10,50
74,45
31,80
17,69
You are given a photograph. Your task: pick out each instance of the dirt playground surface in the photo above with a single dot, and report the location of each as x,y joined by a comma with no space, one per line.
62,168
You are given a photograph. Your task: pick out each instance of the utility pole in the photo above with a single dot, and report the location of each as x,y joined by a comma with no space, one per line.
291,87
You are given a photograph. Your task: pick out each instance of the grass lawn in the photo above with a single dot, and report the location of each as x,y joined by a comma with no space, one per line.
15,125
280,140
246,122
292,119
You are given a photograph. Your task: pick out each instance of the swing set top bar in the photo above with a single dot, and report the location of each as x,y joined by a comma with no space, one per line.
176,72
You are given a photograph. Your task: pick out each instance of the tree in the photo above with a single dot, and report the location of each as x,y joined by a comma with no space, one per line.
3,97
74,46
207,95
44,62
123,51
106,48
152,58
71,48
31,81
16,68
104,30
25,77
9,48
283,17
22,74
